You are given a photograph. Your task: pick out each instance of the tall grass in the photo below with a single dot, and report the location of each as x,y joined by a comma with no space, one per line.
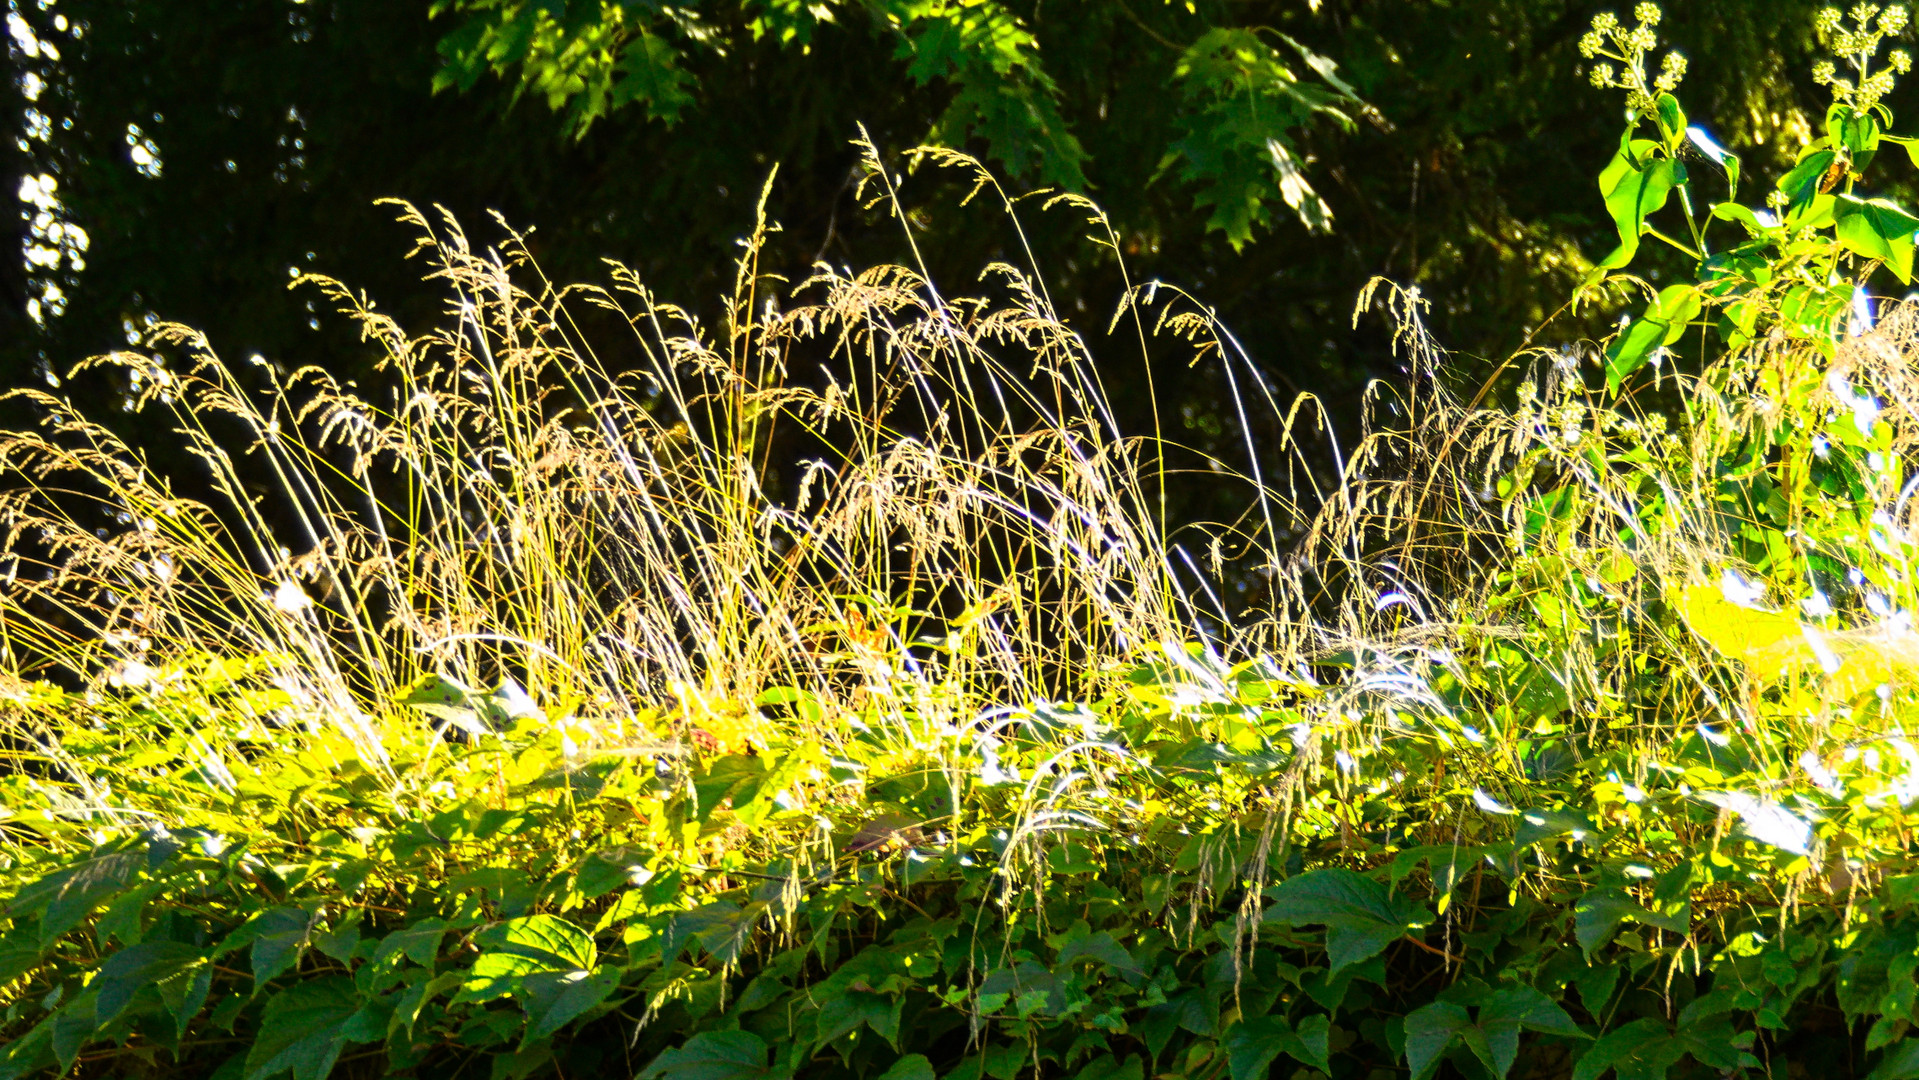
858,493
856,487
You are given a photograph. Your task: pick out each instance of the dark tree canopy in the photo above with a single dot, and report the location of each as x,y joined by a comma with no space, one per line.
207,147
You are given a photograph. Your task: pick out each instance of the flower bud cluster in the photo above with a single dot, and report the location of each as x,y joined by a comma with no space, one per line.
1671,70
1610,42
1856,43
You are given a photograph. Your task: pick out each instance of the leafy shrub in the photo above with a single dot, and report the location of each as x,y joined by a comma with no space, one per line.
1569,739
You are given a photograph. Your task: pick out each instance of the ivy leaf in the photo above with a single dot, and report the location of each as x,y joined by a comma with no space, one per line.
1597,915
1878,229
278,935
1493,1036
910,1067
1801,185
1723,157
66,896
1645,1050
1661,325
166,964
1516,1007
715,1055
545,940
406,1011
1252,1045
1430,1029
303,1029
1632,193
553,999
1360,916
1900,1063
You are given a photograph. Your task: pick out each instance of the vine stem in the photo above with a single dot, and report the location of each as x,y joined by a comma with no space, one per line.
1450,958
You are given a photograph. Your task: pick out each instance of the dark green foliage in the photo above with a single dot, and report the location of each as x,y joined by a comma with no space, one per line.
479,929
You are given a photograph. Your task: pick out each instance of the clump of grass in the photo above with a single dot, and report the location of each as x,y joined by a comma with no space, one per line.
857,489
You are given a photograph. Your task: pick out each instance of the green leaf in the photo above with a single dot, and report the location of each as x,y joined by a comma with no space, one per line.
1002,94
724,777
715,1055
279,936
1251,1045
1857,131
1507,1011
603,871
1430,1029
1732,211
1671,119
32,1053
1447,863
1537,825
1493,1036
1630,350
1632,193
546,940
303,1029
1801,185
1103,948
910,1067
1360,916
406,1011
419,942
121,919
1661,325
434,689
1878,229
167,964
1242,104
721,928
651,73
519,1065
554,999
1767,642
67,896
1108,1067
72,1027
1909,142
1900,1063
1641,1050
1726,159
1597,915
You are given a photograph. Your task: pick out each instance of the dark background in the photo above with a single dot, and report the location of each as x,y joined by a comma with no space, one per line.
279,123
